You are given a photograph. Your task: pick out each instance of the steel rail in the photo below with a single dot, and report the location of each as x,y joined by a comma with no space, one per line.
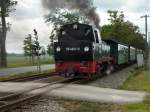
31,78
24,96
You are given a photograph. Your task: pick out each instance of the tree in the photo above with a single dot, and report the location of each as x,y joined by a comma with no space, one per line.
32,47
123,31
37,48
52,39
28,48
50,50
43,51
115,16
6,7
59,18
36,44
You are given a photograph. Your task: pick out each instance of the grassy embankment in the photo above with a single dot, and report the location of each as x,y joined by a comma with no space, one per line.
137,81
14,76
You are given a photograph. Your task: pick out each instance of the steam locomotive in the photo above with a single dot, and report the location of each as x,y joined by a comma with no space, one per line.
80,52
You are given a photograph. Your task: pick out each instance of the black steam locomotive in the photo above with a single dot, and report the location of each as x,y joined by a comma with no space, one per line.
80,52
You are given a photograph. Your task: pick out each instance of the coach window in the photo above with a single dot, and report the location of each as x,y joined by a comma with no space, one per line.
96,35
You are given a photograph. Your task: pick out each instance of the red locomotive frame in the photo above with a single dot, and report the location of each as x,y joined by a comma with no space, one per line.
86,69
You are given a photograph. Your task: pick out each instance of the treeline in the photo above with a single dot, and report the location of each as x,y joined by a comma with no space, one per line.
123,31
32,48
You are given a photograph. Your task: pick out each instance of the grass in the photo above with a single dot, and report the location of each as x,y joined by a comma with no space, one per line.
21,61
4,78
83,106
138,81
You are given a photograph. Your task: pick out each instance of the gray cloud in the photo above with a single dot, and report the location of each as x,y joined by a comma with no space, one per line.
28,15
28,9
20,29
105,5
138,6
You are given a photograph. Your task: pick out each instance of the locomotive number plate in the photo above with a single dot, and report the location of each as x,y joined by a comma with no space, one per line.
72,49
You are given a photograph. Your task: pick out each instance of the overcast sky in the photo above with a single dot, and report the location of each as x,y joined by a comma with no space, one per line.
29,15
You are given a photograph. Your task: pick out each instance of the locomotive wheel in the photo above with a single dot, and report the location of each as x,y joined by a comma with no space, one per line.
98,71
109,70
89,77
112,68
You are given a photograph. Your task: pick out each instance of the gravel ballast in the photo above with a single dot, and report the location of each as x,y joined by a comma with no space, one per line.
114,80
45,104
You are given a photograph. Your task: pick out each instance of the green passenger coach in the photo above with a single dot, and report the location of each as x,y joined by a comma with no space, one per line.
132,54
119,52
122,54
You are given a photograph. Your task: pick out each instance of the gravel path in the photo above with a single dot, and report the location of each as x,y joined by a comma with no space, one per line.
114,80
11,71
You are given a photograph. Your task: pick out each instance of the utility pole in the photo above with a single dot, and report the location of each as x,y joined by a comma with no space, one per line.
147,46
146,36
145,16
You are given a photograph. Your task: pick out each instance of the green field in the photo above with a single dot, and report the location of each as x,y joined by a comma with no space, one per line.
18,60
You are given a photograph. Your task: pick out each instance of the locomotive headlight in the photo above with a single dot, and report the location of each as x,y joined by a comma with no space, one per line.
75,26
86,49
63,33
58,49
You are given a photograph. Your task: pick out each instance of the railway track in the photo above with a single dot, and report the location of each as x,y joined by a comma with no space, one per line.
31,78
12,101
9,102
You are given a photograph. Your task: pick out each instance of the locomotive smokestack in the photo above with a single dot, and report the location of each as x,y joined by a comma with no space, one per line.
84,6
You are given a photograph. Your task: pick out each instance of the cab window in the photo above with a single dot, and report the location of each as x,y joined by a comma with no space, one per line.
96,36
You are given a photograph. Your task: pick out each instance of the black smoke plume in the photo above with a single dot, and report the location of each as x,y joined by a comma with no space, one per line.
84,6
